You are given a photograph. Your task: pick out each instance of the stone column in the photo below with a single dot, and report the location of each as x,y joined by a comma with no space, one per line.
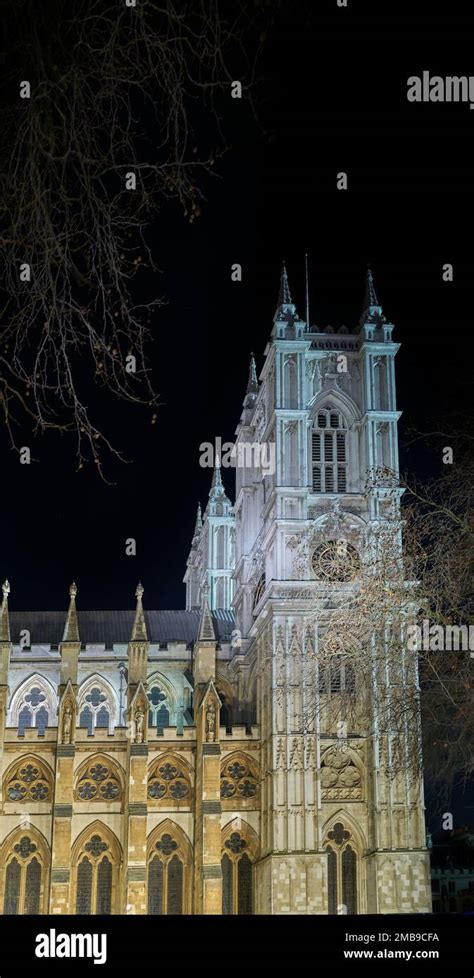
61,835
207,818
136,808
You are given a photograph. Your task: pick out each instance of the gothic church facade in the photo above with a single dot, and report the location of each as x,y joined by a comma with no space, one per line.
163,762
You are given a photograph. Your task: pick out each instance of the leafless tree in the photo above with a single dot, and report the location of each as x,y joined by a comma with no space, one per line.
116,90
370,673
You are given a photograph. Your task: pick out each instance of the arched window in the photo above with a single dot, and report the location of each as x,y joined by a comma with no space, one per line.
96,873
98,780
168,877
28,781
239,779
259,589
159,713
329,452
337,677
24,876
96,705
342,871
238,854
169,782
34,704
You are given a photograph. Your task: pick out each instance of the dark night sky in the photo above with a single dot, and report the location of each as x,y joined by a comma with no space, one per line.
332,98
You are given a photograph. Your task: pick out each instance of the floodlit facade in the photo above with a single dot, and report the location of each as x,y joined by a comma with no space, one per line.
170,761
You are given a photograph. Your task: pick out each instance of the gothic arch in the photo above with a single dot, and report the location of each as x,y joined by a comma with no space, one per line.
339,400
92,712
170,781
169,870
99,779
344,843
342,815
34,703
28,779
96,859
225,693
24,872
239,780
164,708
240,845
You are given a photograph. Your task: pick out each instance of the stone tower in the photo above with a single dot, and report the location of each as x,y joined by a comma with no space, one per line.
334,836
211,558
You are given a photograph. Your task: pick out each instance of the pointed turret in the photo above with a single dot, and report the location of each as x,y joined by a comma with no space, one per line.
139,632
138,647
216,484
372,310
206,632
4,618
284,295
252,384
198,526
71,628
217,493
204,667
286,308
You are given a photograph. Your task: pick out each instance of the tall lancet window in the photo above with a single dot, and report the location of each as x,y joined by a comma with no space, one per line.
342,871
24,884
168,872
329,452
96,877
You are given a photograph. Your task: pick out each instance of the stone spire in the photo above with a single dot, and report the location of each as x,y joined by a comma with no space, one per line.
372,310
139,632
216,484
286,308
252,384
206,631
284,295
4,619
71,628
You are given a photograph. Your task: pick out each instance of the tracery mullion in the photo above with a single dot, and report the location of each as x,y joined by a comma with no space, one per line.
235,886
21,897
94,887
165,884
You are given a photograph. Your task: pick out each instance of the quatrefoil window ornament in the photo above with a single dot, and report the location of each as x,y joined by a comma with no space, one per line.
95,697
35,696
236,770
168,772
156,696
236,843
96,846
339,834
166,845
24,847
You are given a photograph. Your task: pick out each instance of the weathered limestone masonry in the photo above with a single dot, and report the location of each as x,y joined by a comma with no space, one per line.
187,761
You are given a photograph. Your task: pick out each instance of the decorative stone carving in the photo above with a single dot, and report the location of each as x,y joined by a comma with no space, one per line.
67,726
340,778
210,723
139,726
